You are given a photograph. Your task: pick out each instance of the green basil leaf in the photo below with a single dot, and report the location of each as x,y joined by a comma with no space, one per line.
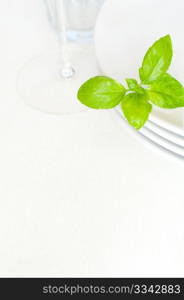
167,92
134,86
136,109
101,93
157,60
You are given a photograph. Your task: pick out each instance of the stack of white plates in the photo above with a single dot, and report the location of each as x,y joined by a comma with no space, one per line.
166,137
125,30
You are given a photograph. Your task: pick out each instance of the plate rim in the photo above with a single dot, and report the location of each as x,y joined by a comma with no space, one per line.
168,126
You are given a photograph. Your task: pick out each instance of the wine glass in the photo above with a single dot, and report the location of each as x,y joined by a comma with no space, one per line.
49,82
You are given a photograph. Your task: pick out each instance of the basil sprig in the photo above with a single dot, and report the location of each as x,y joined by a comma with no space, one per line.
156,87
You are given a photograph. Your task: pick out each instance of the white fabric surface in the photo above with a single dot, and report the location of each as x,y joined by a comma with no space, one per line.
79,196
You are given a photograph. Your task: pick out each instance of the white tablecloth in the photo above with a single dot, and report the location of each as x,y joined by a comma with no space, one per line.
79,195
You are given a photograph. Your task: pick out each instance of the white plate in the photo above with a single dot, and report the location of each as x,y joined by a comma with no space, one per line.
172,137
151,141
149,132
124,32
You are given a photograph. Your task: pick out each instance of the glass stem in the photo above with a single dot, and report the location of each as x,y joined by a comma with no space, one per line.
67,71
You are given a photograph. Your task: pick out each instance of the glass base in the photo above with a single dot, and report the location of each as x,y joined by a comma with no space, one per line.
43,87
